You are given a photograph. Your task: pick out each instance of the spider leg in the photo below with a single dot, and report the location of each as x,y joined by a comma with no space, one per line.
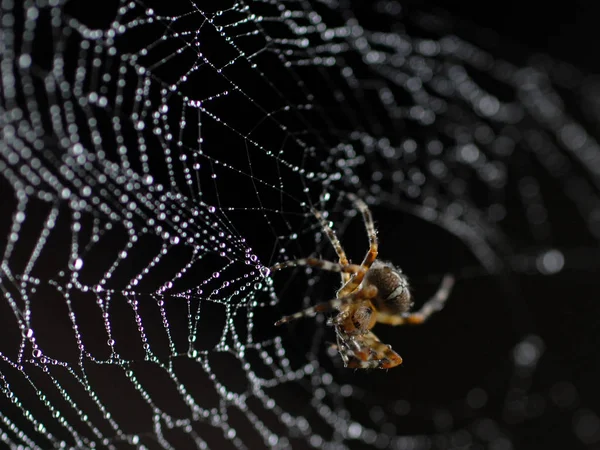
335,303
373,354
371,255
343,259
343,349
435,303
321,264
370,226
346,346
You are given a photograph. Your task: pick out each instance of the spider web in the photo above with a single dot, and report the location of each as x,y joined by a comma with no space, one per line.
158,157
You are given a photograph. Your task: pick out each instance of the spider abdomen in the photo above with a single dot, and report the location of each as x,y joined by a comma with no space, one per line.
392,285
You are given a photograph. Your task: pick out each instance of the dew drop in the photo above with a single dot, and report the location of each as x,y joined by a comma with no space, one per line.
78,264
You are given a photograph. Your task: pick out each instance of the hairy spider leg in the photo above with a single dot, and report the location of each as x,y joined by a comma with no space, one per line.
373,354
343,348
371,255
348,347
329,305
320,264
335,242
435,303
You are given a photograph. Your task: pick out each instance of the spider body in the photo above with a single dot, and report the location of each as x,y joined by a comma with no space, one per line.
393,295
374,291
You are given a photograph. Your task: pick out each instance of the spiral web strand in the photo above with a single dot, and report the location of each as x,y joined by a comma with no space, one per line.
156,159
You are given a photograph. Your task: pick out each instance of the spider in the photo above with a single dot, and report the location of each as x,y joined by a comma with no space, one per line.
374,291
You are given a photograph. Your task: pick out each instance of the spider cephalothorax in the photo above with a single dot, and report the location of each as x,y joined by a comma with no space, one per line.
374,291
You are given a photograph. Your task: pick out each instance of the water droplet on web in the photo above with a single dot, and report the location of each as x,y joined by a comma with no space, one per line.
77,264
355,430
528,351
550,262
